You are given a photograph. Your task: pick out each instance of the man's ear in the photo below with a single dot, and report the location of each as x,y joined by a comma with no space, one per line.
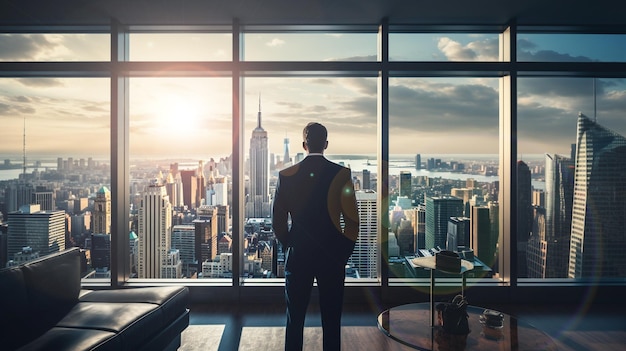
325,144
304,145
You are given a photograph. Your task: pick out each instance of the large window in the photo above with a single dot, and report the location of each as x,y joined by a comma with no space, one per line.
55,171
524,149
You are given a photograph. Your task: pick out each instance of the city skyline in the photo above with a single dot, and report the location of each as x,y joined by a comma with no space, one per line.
182,111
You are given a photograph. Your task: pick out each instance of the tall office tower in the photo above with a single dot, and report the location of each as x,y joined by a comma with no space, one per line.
438,211
100,251
367,185
471,183
43,231
481,235
133,245
418,162
59,164
420,228
466,194
183,240
286,158
210,197
154,230
205,235
221,191
258,202
539,198
598,239
559,197
101,214
536,250
44,197
406,188
365,255
173,187
70,164
18,195
264,252
172,267
190,188
458,236
406,237
200,185
90,163
430,164
524,215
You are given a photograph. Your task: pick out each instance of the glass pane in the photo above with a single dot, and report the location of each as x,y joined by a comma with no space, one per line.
55,166
571,47
310,46
180,47
443,47
571,185
55,47
443,172
180,147
276,111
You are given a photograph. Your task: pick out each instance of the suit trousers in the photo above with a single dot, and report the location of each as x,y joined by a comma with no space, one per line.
301,268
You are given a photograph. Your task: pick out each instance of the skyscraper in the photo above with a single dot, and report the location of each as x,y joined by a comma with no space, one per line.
405,184
258,203
101,214
190,188
205,234
481,236
458,236
598,240
183,240
367,184
286,158
365,255
154,229
524,215
439,210
418,162
43,231
559,197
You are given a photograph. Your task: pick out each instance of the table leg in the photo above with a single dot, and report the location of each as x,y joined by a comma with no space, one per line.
463,284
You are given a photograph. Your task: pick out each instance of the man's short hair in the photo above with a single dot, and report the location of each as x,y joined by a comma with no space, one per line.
314,135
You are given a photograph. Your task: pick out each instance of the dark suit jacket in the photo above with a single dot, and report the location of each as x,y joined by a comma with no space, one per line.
316,193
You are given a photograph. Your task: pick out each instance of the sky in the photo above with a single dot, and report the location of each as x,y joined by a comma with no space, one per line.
180,117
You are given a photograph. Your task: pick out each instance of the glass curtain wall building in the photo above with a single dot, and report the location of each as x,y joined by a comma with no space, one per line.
205,114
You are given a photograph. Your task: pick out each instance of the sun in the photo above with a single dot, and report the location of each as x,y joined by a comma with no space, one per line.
178,115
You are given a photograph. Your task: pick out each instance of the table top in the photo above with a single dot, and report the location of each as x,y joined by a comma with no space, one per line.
430,263
409,325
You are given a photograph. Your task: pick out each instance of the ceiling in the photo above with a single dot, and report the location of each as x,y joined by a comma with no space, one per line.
567,13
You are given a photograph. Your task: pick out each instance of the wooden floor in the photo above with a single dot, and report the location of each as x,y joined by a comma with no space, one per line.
261,327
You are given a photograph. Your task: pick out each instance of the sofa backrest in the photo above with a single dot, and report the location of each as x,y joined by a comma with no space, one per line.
36,295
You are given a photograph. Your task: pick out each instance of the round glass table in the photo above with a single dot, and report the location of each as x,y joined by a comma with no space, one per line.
410,325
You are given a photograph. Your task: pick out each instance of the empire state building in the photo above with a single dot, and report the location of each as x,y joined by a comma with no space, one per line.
258,200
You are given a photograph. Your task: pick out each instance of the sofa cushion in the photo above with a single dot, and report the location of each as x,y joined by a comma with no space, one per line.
15,320
172,299
59,338
52,287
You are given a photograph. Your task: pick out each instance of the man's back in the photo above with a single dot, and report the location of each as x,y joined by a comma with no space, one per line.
320,196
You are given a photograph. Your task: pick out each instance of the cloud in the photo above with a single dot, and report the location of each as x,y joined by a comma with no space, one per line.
455,51
549,56
364,58
40,82
481,50
23,47
275,42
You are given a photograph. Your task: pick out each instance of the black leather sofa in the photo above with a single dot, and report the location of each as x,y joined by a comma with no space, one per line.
42,307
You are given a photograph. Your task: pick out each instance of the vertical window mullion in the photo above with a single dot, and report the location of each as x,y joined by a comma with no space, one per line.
120,184
507,250
383,155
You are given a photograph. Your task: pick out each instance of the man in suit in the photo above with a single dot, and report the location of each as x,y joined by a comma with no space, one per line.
316,220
